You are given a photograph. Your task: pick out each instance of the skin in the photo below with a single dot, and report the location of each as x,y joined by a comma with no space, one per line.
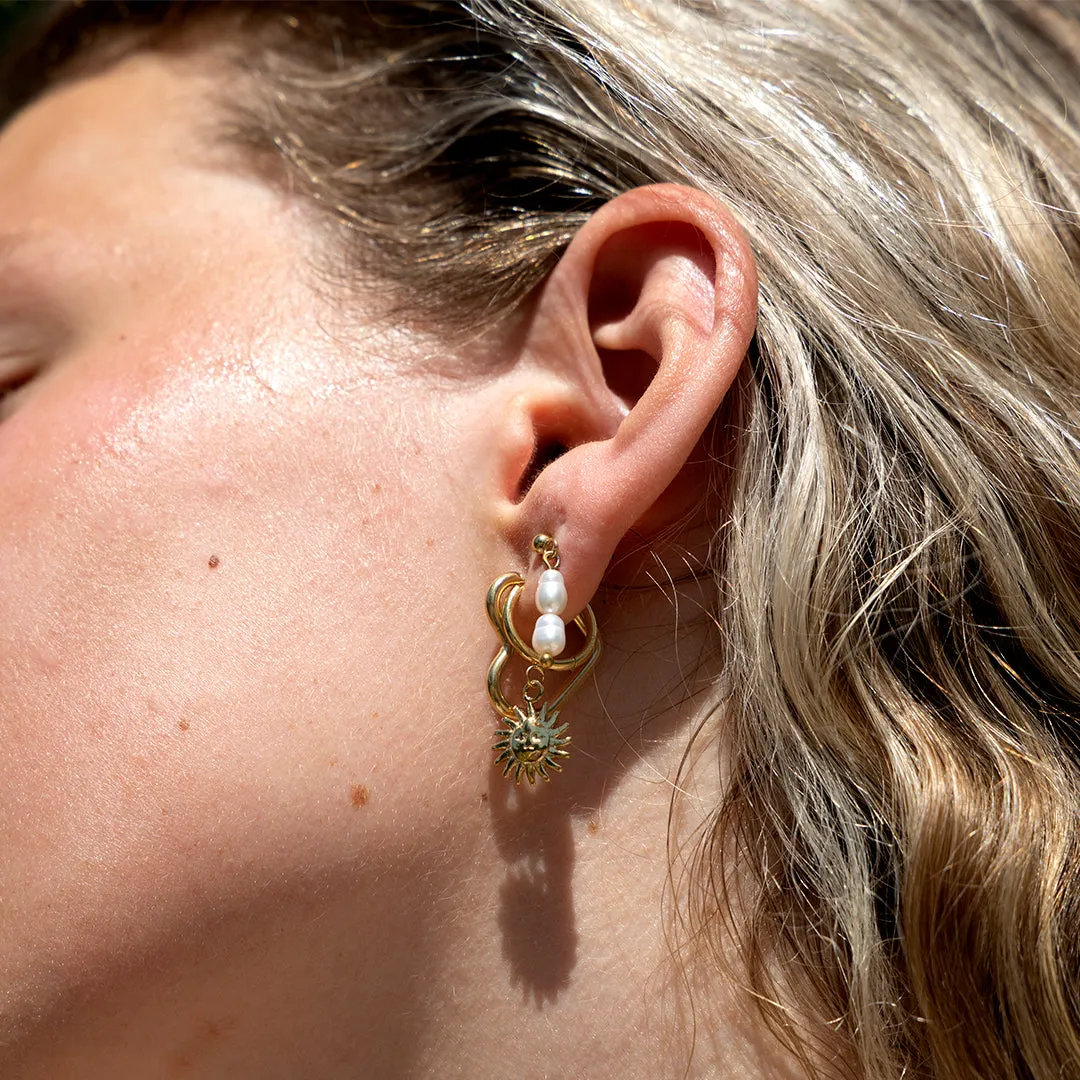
248,812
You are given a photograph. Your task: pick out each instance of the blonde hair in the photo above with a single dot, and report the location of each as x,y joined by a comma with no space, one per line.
900,612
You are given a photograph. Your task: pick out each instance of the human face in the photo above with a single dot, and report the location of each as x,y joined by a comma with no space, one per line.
231,692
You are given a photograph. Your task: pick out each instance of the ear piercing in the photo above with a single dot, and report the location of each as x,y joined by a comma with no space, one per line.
530,740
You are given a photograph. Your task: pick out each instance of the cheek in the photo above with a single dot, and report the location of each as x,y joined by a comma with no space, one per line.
224,643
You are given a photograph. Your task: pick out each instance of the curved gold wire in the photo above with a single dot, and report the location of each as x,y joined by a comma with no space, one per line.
501,597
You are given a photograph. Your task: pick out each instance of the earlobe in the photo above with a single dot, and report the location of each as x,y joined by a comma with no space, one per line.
647,317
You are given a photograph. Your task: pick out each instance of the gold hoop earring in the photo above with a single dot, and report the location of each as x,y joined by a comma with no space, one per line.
531,740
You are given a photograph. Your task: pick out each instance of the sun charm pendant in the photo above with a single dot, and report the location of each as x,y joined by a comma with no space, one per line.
530,743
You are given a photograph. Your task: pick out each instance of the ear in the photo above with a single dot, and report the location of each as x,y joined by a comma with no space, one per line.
633,343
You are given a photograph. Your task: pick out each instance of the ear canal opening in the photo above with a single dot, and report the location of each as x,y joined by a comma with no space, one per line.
544,453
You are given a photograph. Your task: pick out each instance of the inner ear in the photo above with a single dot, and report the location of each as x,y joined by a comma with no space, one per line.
545,452
642,276
628,372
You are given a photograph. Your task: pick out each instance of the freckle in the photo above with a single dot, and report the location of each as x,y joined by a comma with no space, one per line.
184,725
483,796
594,826
431,541
214,562
359,796
374,716
377,488
333,762
226,1024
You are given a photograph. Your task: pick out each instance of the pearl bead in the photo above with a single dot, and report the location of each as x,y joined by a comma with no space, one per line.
549,635
551,593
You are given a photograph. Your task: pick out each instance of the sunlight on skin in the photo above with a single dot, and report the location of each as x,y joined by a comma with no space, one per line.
247,748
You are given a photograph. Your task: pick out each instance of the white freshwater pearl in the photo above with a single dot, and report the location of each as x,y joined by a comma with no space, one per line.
551,593
549,635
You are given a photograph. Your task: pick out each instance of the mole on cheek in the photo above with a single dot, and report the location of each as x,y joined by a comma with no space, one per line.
359,796
214,562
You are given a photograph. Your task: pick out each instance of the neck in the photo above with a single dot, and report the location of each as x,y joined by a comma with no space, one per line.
572,965
528,937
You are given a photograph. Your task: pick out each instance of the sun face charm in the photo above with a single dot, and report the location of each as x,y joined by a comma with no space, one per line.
531,743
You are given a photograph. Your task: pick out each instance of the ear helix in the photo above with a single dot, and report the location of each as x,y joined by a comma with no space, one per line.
530,740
